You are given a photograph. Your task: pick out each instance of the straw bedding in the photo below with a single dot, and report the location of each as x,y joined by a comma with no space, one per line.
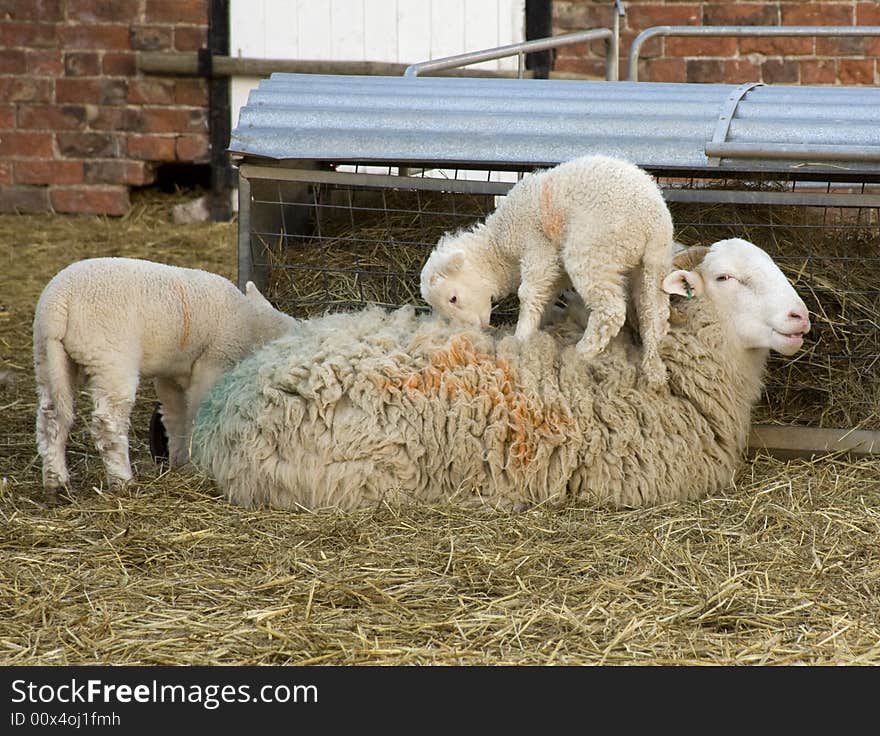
782,568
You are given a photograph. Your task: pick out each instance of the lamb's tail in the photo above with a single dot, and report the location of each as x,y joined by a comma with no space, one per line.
55,372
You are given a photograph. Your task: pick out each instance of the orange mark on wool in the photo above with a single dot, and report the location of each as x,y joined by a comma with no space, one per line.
552,220
185,316
460,371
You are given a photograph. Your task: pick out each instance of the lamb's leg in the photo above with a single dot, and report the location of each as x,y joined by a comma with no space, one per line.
203,377
56,376
653,315
173,402
113,393
541,279
603,289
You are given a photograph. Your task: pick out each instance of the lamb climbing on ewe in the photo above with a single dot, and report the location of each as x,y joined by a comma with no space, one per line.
355,408
596,223
112,321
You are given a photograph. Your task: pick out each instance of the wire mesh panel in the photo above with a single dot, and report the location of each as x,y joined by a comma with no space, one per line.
342,240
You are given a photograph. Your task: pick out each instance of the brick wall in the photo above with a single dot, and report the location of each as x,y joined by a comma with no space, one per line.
804,60
78,124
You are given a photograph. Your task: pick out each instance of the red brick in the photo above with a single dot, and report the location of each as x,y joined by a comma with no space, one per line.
779,46
191,92
868,14
151,38
89,145
848,46
662,70
818,14
151,91
119,64
87,200
192,148
5,173
82,64
177,11
131,173
52,117
101,91
28,35
640,17
740,14
25,89
690,46
594,68
151,147
738,71
577,16
16,143
818,71
101,36
704,71
41,10
190,38
174,120
96,11
78,90
780,71
855,71
116,118
12,61
48,172
21,200
44,63
7,117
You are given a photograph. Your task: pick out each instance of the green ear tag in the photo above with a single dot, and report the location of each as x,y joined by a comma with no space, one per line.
688,290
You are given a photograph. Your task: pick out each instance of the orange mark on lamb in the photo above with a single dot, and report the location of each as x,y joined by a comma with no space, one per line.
461,371
185,316
552,220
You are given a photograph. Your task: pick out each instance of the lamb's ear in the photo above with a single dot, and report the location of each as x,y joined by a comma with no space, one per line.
253,293
684,283
454,262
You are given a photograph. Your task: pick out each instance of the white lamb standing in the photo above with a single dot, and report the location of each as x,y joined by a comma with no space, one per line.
112,321
359,409
595,223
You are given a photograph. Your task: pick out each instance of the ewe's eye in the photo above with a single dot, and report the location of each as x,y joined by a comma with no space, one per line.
724,277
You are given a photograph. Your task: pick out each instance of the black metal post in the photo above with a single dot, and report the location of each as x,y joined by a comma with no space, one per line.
539,24
219,127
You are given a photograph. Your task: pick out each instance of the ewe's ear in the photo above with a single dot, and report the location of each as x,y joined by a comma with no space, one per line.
683,283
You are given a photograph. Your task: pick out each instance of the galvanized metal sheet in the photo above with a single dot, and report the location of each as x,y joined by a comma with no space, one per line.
506,122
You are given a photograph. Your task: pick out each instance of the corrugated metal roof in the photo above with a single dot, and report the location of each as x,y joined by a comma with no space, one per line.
478,121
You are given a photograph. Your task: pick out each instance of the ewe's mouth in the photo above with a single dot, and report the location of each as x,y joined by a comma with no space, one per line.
792,336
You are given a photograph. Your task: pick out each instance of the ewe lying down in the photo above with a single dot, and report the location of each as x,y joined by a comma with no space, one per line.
352,408
111,321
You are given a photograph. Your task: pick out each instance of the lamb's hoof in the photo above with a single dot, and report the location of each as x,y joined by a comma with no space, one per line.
655,376
586,352
58,496
118,484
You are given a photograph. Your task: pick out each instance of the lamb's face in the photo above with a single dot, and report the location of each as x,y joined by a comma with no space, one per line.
751,295
456,290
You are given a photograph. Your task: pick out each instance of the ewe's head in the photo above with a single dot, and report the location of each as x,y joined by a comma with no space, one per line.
455,286
751,295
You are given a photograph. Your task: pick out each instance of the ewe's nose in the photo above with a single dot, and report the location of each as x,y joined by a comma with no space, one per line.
802,317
